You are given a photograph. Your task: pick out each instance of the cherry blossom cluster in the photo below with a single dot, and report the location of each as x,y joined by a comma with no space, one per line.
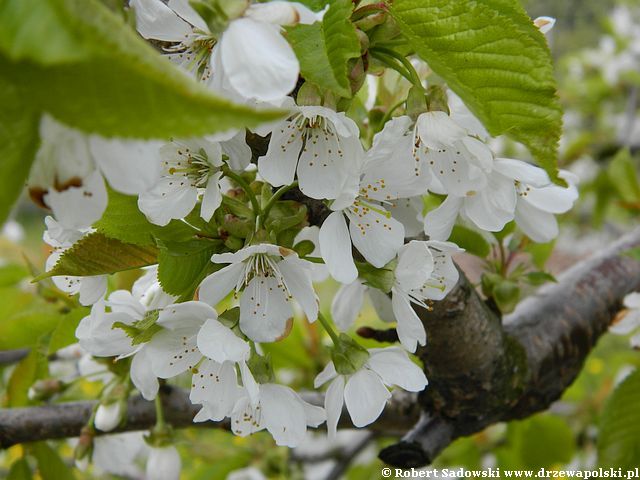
376,237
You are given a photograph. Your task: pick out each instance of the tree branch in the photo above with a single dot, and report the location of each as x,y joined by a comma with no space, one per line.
484,371
66,420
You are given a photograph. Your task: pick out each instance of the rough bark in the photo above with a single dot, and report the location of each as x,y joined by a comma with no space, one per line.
483,370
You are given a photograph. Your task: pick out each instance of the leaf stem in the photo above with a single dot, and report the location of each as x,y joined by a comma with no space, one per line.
390,63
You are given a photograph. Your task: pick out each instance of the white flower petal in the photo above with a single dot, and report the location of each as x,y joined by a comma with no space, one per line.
219,343
130,166
437,130
365,396
439,223
217,286
522,171
171,198
188,315
346,304
415,265
215,385
212,197
328,373
244,420
155,20
333,401
142,375
632,300
539,226
257,60
265,308
382,304
278,166
187,13
297,277
395,368
238,151
283,414
494,206
335,244
79,207
410,329
377,236
629,322
92,289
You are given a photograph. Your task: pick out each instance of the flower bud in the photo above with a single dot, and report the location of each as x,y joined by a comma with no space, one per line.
84,448
163,464
108,416
45,389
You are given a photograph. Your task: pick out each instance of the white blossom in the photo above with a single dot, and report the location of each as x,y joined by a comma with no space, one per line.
321,145
266,278
366,392
188,168
249,60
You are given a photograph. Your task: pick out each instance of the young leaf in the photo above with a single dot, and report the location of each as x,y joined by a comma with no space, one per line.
18,143
471,241
490,54
50,465
81,62
64,333
123,220
20,470
181,267
619,437
97,254
33,367
25,317
325,48
539,278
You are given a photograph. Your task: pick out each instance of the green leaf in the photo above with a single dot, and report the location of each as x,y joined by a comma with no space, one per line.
619,438
65,332
50,465
96,254
539,278
20,470
472,241
181,267
540,252
123,220
490,54
325,48
541,441
622,174
18,143
82,63
33,367
24,318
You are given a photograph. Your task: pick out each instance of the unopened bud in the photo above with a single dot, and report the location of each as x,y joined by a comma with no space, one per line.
84,448
108,416
45,389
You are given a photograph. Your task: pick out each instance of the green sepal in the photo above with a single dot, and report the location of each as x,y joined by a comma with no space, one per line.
380,278
141,331
348,356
